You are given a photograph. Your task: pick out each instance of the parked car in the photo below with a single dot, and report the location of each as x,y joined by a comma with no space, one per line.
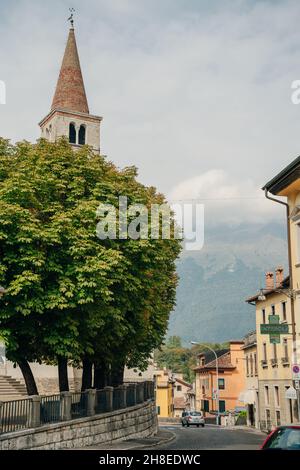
283,438
189,418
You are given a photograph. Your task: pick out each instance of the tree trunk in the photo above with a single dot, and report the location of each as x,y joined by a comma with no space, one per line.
100,375
117,374
28,377
63,374
87,372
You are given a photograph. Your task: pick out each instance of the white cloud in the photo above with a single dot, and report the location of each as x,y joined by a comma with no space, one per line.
183,86
227,200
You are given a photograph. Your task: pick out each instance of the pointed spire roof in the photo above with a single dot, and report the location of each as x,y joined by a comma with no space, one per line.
70,91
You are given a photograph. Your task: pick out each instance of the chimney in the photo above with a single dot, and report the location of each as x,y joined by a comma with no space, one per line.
279,276
269,280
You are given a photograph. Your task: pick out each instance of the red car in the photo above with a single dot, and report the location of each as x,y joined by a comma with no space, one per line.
283,438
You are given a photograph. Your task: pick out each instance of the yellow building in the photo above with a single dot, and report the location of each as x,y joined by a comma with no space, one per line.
250,395
287,184
231,379
274,355
164,388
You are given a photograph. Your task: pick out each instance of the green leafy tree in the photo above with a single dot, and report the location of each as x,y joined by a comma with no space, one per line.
71,296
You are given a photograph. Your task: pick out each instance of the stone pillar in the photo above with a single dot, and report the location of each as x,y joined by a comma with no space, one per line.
91,402
123,396
109,391
35,412
65,406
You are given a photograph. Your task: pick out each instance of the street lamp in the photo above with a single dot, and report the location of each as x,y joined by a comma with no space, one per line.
290,293
217,375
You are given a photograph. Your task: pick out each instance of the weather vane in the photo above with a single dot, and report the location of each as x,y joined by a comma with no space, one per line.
71,17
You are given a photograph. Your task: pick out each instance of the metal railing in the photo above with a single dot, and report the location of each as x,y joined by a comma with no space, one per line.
79,405
50,409
37,411
15,415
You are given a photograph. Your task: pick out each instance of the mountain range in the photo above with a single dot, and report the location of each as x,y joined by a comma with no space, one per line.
215,281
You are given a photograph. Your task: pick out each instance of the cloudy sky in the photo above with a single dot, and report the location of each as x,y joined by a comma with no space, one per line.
196,93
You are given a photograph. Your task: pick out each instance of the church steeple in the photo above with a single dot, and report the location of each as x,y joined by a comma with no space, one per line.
70,92
69,115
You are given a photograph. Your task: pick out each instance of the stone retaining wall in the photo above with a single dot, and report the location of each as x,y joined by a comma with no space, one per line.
136,421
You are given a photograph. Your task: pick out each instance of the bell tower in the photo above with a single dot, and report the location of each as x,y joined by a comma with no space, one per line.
69,115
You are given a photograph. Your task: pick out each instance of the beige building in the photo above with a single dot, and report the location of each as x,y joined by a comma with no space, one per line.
274,355
184,395
250,395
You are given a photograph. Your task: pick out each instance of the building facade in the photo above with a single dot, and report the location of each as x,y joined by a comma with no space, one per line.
250,395
274,355
164,392
231,379
183,395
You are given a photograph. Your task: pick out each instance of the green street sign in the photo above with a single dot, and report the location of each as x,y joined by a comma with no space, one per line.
274,329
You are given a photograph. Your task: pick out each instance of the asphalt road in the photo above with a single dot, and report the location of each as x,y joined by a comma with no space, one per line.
212,437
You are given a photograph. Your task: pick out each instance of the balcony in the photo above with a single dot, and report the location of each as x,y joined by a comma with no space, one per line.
264,363
274,362
285,361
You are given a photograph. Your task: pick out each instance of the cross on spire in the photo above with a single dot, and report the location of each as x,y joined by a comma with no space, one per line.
71,19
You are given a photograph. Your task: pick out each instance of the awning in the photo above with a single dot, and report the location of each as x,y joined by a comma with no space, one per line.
248,397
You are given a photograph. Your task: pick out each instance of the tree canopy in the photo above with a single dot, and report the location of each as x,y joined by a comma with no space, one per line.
70,295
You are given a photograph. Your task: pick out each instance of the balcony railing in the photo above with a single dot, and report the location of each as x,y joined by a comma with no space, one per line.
285,361
274,362
264,363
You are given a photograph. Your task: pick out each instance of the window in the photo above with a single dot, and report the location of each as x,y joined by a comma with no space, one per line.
206,405
275,352
247,365
285,349
178,388
263,315
278,418
267,398
283,306
221,384
222,406
158,410
255,364
298,242
265,357
72,133
276,395
251,365
273,309
81,135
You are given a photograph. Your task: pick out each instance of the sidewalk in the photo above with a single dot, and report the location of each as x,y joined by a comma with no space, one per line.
161,437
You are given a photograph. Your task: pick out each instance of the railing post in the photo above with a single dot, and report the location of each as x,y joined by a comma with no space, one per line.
91,402
123,396
109,398
35,412
65,406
